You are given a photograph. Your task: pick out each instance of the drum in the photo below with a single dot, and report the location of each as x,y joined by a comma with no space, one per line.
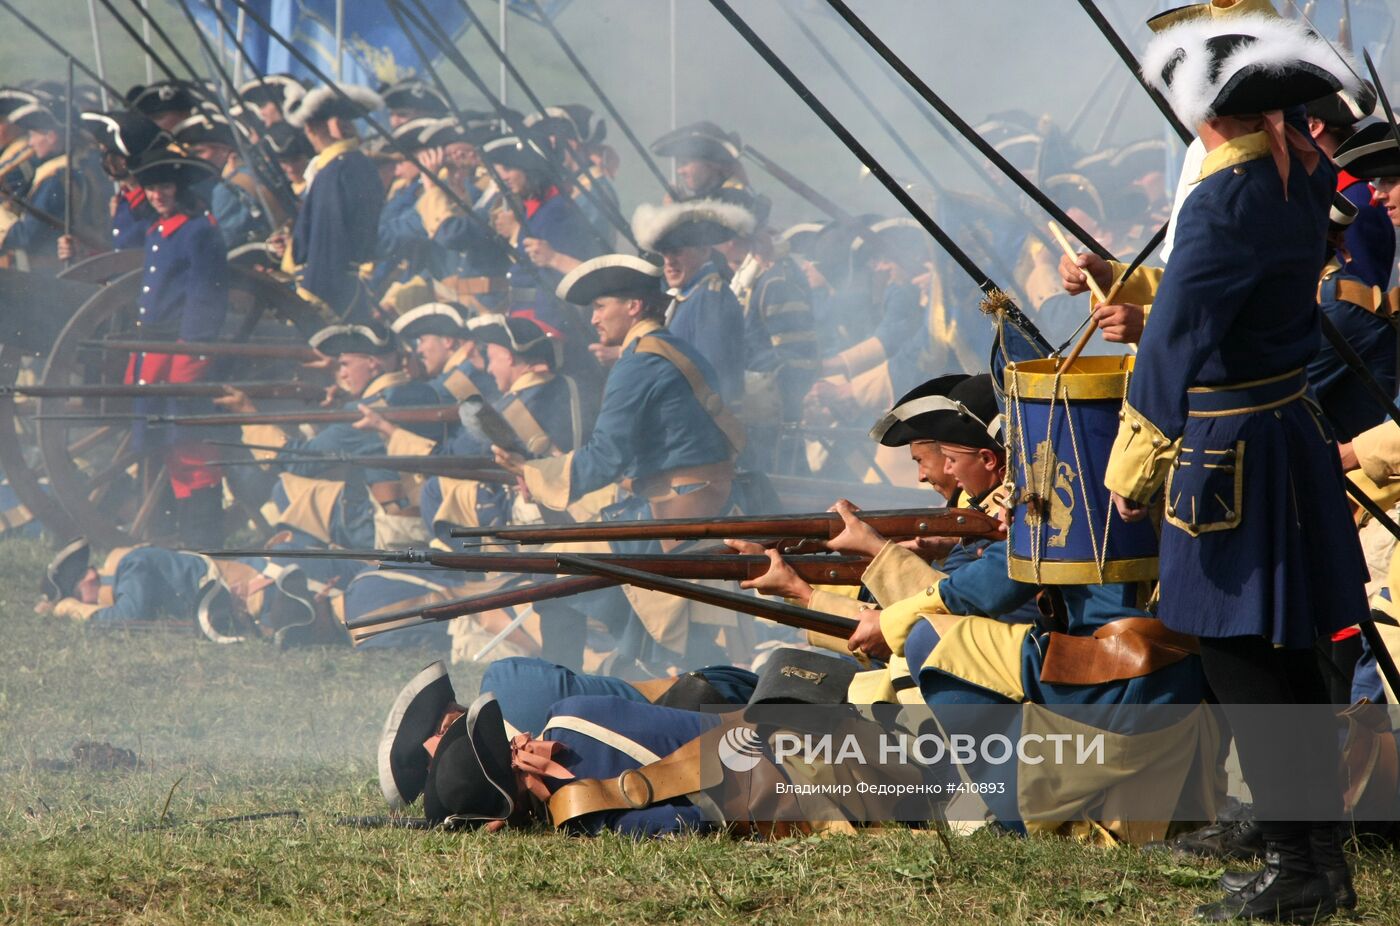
1060,429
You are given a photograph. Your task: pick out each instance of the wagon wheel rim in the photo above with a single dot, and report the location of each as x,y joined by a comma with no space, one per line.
91,508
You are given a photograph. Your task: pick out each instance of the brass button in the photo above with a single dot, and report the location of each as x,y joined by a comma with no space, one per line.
1156,442
1239,171
1229,516
1171,512
929,591
1278,414
1136,427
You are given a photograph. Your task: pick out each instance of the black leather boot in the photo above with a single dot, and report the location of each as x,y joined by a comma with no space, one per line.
1327,841
1289,889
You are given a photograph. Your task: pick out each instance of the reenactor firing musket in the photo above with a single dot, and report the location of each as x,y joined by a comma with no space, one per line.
901,523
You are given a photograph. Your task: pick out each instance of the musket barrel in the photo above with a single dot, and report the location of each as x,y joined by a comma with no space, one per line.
907,522
289,351
423,414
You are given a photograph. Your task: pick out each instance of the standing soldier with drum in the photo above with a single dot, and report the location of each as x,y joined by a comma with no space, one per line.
1259,557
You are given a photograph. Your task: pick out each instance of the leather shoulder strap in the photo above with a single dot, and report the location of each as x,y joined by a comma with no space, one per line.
532,435
679,774
709,400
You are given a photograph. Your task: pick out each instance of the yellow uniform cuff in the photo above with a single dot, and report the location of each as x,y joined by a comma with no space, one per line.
899,619
404,443
267,434
434,208
897,573
548,480
1140,288
1141,457
862,356
1378,451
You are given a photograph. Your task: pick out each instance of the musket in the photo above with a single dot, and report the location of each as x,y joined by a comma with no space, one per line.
422,414
792,182
647,159
603,205
963,128
69,153
828,569
301,57
1128,58
479,469
259,390
373,624
993,292
1380,94
250,350
778,612
899,522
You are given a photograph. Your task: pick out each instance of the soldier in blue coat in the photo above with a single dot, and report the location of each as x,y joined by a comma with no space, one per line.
240,204
707,159
138,584
704,312
336,229
38,239
576,141
270,96
1259,556
405,251
441,335
470,767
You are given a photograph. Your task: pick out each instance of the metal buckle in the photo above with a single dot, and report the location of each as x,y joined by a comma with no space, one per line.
622,788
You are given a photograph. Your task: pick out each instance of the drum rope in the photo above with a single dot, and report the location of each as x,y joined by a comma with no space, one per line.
1100,553
1034,524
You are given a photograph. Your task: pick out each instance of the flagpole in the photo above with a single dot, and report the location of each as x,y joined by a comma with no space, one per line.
97,53
146,34
504,41
339,39
240,30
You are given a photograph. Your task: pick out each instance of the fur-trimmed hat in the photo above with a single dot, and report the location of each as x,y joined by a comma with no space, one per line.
324,103
282,89
370,338
163,166
699,141
1370,153
1240,65
699,222
432,318
610,275
67,567
413,718
913,417
415,96
124,132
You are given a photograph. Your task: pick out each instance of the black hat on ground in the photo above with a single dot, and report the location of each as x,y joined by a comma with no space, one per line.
66,568
620,275
414,717
124,132
414,96
697,223
162,97
163,166
522,337
469,778
1370,153
800,676
282,89
432,318
370,338
699,141
973,420
913,417
1237,66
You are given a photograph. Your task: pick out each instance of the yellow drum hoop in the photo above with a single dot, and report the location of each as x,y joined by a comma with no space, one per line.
1081,572
1091,378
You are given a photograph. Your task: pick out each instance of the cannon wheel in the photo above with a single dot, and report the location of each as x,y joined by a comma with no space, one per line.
109,490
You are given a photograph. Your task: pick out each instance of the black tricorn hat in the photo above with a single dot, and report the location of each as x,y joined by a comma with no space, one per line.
370,338
699,141
414,717
1342,213
65,569
800,676
415,96
569,120
522,337
610,275
282,89
124,132
469,778
12,98
513,151
973,420
1345,107
46,115
287,143
911,418
1370,153
409,135
162,97
206,128
163,166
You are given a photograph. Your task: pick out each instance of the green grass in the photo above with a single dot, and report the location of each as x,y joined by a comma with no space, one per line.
224,731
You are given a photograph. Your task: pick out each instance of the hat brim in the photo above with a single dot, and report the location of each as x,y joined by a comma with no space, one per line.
183,172
604,281
414,716
696,148
469,779
1264,88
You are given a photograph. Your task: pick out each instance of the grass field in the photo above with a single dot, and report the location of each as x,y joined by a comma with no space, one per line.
227,731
